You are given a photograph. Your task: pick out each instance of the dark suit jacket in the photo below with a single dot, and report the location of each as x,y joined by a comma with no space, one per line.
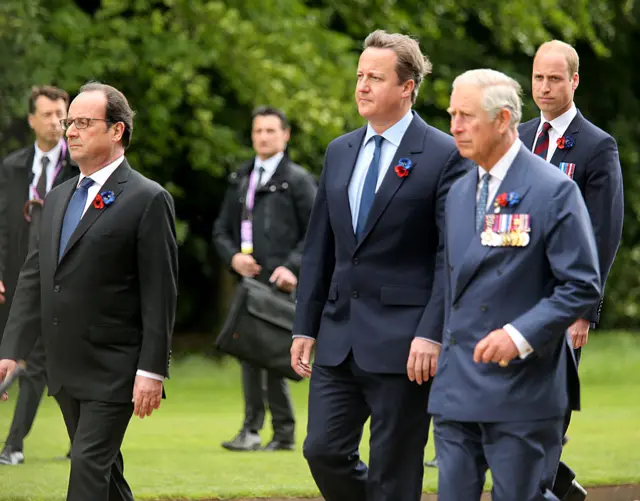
599,176
107,309
15,178
280,217
370,296
540,289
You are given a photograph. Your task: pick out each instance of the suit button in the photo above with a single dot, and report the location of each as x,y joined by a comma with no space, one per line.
452,341
483,308
456,306
55,321
356,260
355,295
56,288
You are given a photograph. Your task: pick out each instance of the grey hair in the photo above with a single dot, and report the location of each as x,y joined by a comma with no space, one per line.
499,91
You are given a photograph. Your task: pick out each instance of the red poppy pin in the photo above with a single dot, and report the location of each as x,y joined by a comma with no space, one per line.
403,167
565,142
103,199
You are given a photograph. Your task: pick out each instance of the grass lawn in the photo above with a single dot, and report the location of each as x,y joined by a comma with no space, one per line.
177,453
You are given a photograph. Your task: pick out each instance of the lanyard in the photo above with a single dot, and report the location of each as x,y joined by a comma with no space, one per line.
246,226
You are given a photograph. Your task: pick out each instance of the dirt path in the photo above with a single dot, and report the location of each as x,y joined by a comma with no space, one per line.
613,493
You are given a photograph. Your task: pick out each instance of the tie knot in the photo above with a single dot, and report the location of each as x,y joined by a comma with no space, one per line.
45,161
546,126
377,140
86,183
486,177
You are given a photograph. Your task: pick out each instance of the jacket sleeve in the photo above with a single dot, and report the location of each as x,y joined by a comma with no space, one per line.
604,197
303,193
223,239
4,217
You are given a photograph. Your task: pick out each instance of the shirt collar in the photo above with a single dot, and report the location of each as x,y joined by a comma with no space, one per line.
53,154
393,134
270,164
499,170
100,177
561,124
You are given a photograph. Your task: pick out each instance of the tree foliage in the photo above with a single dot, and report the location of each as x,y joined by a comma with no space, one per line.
194,69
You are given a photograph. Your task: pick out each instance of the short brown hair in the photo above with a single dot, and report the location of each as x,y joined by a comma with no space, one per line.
570,54
47,91
412,64
118,109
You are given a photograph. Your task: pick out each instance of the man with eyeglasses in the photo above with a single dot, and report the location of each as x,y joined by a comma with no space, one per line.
26,176
101,287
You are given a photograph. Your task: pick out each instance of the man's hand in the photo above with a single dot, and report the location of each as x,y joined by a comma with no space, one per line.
245,265
6,368
301,349
2,291
579,333
284,279
423,360
147,395
496,347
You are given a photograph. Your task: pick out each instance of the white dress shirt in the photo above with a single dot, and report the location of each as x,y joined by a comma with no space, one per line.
558,127
392,137
269,165
54,158
99,179
497,175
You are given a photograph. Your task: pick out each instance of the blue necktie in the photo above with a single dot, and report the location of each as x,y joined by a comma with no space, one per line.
481,205
369,188
74,213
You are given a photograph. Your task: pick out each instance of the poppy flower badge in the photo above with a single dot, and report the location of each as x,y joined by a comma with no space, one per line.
505,199
565,142
403,167
103,199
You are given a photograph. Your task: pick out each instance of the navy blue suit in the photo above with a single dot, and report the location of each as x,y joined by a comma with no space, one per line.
510,419
363,302
599,176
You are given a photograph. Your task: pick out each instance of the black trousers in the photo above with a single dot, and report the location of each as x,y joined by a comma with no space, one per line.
96,430
564,474
32,385
278,401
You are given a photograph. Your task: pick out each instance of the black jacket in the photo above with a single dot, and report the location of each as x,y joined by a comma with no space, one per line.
280,217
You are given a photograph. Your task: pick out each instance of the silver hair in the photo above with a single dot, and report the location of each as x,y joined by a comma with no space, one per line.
499,91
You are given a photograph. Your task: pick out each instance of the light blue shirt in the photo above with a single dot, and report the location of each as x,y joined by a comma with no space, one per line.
392,137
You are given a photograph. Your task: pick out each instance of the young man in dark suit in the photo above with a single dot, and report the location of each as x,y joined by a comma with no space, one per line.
26,176
589,156
372,272
259,233
101,287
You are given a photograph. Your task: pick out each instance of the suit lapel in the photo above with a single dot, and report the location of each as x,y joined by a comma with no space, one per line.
411,145
115,183
345,172
528,133
58,215
464,215
573,130
476,252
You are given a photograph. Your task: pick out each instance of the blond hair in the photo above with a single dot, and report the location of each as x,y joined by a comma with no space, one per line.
570,54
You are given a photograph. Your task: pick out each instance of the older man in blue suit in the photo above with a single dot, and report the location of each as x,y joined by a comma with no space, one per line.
589,156
521,266
371,272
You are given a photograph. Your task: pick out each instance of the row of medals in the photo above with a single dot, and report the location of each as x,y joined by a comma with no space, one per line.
512,239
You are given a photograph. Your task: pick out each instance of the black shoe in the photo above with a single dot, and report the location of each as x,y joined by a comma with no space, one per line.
244,441
11,456
576,493
433,463
278,445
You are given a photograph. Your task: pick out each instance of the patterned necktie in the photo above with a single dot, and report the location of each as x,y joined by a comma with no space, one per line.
481,204
369,188
542,144
41,187
74,213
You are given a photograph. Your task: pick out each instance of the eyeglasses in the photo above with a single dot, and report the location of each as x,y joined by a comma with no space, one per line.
80,123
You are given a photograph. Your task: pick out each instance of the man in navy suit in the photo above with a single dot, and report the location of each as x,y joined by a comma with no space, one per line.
589,156
371,272
521,266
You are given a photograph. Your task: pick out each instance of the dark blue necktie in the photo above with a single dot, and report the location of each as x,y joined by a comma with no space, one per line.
369,188
74,213
481,205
